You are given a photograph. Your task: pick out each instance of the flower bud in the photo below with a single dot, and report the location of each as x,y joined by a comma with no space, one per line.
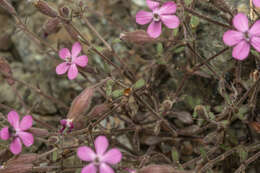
138,37
39,132
44,8
7,6
22,159
81,103
52,26
17,168
98,110
71,31
161,169
157,169
64,11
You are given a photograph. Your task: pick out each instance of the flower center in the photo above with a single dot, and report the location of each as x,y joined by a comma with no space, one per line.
68,60
156,17
97,161
247,36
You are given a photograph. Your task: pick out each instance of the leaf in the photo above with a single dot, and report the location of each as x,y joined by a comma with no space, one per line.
118,93
175,154
203,153
194,21
243,154
139,84
159,48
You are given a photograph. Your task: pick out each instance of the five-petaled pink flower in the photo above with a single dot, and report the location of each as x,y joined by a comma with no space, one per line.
101,158
18,133
242,37
72,60
256,3
159,15
66,123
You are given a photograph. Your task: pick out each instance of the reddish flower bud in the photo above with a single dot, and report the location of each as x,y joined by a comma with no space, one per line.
157,169
137,37
39,132
98,110
7,6
44,8
81,103
52,26
71,31
22,159
161,169
17,168
78,108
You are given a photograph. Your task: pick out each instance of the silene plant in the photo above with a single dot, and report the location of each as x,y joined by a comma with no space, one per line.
52,148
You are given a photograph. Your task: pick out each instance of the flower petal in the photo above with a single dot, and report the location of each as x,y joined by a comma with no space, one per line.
240,22
168,8
255,42
89,169
152,4
73,72
101,144
81,61
86,153
171,21
154,29
241,50
104,168
232,37
63,122
256,3
113,156
62,68
26,122
27,138
143,17
64,53
76,48
13,119
16,146
255,29
4,133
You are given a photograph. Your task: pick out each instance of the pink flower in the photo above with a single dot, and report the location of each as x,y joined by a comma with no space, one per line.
17,133
101,158
71,61
66,123
242,37
256,3
159,15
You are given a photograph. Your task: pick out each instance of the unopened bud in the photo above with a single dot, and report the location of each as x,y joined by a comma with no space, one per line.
52,26
157,169
137,37
64,11
22,159
71,31
98,110
44,8
17,168
39,132
7,6
80,105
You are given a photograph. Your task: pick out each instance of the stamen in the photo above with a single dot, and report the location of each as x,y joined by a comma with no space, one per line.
156,17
